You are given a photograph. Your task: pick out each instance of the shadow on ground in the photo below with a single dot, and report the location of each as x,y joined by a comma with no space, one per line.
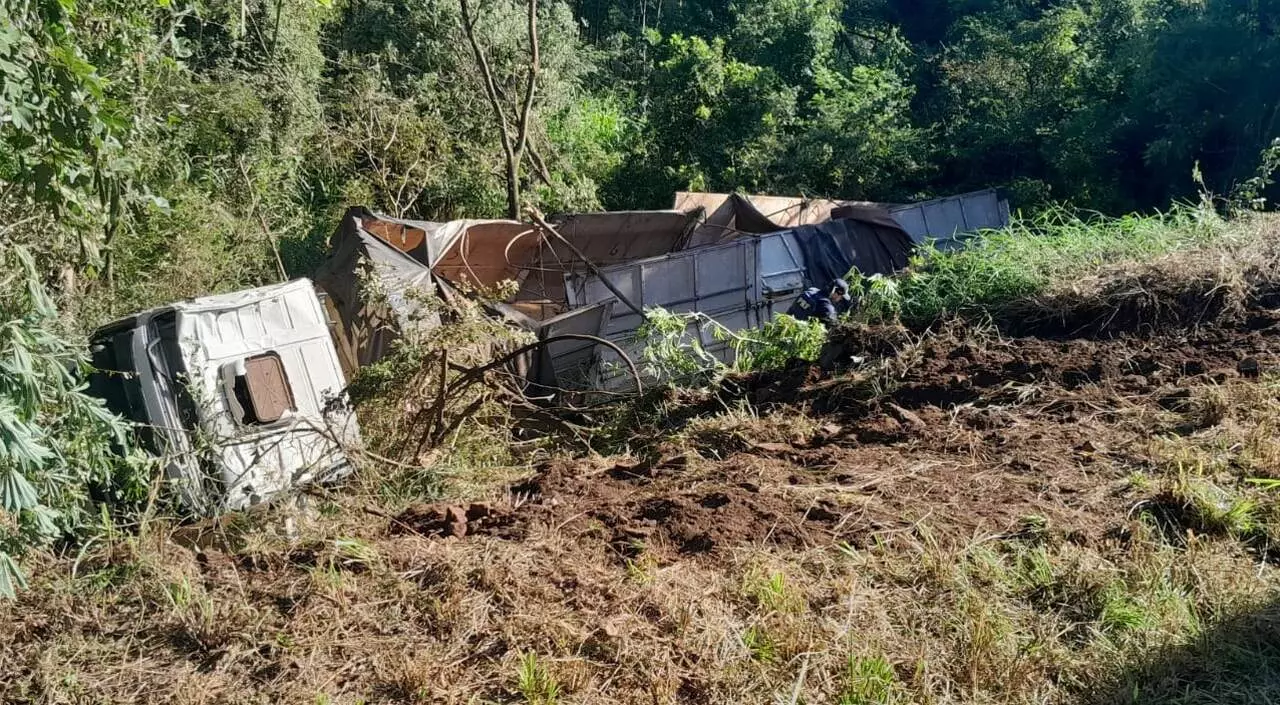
1237,662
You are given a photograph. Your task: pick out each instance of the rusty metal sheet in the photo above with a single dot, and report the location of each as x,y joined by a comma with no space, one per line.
486,252
400,234
724,213
268,387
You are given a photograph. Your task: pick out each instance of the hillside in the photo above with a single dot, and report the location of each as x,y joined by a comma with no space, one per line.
965,516
1039,468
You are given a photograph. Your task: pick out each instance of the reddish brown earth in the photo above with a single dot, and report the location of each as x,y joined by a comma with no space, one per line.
975,438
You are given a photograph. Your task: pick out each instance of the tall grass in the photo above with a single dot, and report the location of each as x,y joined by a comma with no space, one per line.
1000,269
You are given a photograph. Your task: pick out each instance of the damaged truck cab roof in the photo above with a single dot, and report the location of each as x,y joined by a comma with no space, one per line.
240,394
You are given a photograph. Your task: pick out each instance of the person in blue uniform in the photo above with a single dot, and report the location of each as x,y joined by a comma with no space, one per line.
825,306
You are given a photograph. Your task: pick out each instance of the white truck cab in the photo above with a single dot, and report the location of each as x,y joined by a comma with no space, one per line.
240,394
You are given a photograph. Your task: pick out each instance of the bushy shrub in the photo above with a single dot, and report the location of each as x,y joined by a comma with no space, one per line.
59,447
674,353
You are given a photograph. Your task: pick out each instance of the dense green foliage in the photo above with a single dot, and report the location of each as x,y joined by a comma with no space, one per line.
673,354
1104,103
188,146
54,462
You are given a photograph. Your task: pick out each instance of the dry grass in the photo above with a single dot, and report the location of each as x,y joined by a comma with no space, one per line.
455,622
343,613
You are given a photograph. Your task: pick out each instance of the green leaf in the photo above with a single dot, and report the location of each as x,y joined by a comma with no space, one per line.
22,117
44,520
16,493
11,577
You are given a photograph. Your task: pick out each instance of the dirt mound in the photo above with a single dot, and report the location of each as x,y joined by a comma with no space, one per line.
453,520
972,433
957,366
658,506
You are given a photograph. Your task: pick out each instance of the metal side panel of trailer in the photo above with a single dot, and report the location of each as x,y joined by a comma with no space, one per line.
944,220
721,282
739,285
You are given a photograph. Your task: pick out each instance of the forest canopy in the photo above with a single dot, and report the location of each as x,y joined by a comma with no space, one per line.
175,144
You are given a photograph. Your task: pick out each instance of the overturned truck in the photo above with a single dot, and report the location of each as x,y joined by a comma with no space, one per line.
738,259
240,395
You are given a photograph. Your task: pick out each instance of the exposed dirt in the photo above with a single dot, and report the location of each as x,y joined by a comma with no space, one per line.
975,437
954,517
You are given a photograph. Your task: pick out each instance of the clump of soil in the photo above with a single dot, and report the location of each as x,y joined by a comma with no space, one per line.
452,520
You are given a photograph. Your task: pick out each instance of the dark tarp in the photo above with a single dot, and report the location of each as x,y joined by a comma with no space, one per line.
368,327
869,239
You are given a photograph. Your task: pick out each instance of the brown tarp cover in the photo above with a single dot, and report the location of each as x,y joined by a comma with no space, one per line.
371,311
487,252
728,215
484,252
466,252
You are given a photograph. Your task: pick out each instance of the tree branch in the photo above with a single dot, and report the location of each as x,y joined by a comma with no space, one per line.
531,83
539,165
490,88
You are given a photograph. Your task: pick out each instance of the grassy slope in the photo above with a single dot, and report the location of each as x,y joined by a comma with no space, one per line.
1127,569
1062,273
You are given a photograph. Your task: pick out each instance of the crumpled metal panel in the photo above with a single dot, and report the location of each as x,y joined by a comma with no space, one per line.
605,239
720,281
485,252
781,265
939,219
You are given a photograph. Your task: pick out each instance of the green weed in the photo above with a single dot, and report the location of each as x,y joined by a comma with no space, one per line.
535,682
1005,268
1139,481
870,681
1034,570
1121,611
1217,509
760,644
673,351
354,553
640,570
770,592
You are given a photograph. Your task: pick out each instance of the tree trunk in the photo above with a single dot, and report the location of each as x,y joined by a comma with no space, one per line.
513,146
513,188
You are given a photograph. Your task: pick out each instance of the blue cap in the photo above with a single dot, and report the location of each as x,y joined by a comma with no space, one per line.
841,286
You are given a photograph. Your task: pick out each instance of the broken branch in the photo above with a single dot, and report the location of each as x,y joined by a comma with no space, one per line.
546,228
